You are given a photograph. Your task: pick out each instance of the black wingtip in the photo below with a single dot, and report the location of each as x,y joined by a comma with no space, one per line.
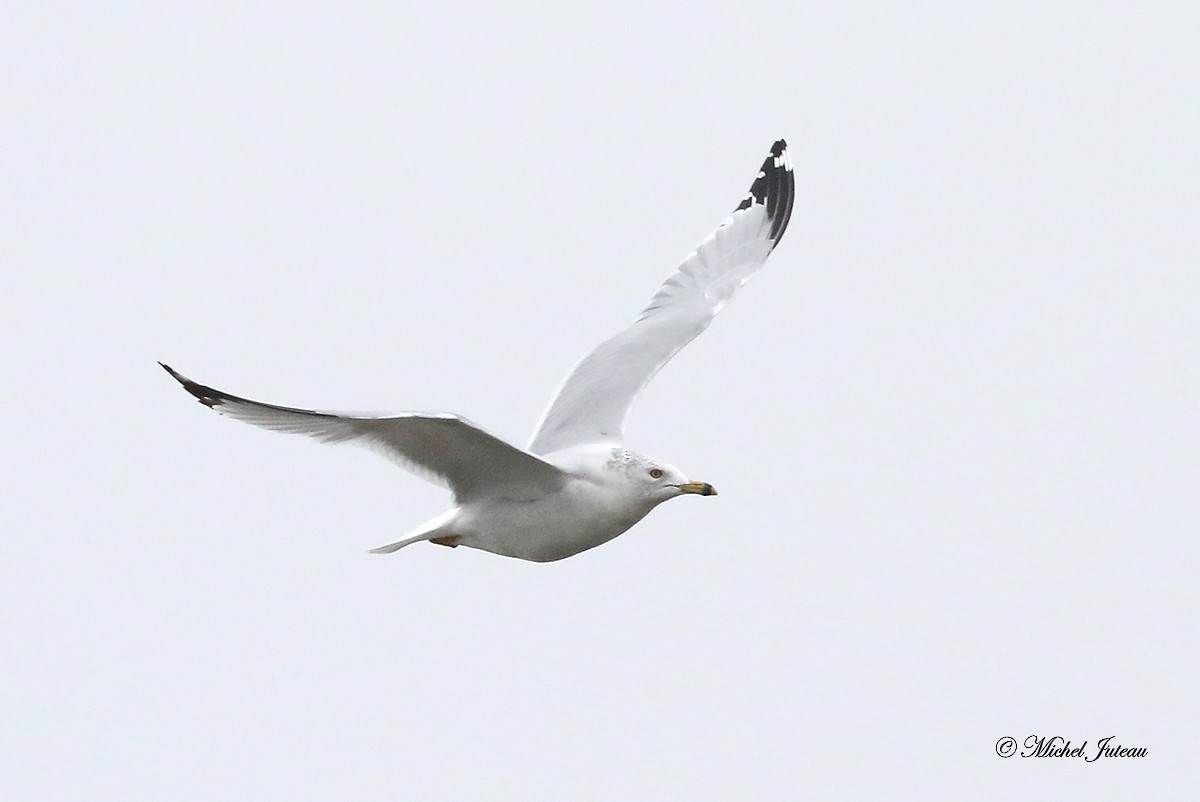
774,187
205,395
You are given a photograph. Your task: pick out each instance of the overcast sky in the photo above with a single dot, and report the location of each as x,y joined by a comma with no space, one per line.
953,422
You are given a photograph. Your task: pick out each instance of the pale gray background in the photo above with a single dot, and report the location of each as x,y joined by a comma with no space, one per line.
953,423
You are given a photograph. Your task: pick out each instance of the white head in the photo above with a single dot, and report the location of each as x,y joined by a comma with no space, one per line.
654,479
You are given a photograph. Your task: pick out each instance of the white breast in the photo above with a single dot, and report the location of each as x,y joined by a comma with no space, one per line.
581,516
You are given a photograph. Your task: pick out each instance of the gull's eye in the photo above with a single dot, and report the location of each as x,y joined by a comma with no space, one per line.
656,473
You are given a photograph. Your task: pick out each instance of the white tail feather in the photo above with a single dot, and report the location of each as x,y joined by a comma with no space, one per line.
399,544
436,527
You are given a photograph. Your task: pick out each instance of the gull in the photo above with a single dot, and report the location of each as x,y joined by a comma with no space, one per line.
575,486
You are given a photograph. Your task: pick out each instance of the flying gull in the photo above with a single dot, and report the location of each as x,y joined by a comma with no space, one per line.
575,486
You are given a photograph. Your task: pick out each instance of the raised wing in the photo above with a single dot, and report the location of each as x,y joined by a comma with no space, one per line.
593,401
445,448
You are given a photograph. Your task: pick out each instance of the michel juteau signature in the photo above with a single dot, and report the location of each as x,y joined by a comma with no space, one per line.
1041,746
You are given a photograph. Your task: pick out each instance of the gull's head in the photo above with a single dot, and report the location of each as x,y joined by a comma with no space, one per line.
656,480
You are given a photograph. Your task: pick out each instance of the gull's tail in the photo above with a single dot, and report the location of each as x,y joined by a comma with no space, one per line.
437,530
399,544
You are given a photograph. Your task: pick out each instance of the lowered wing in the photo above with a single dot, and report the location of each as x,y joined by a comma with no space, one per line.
446,448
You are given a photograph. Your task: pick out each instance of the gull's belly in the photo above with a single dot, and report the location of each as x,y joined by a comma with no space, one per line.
580,517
